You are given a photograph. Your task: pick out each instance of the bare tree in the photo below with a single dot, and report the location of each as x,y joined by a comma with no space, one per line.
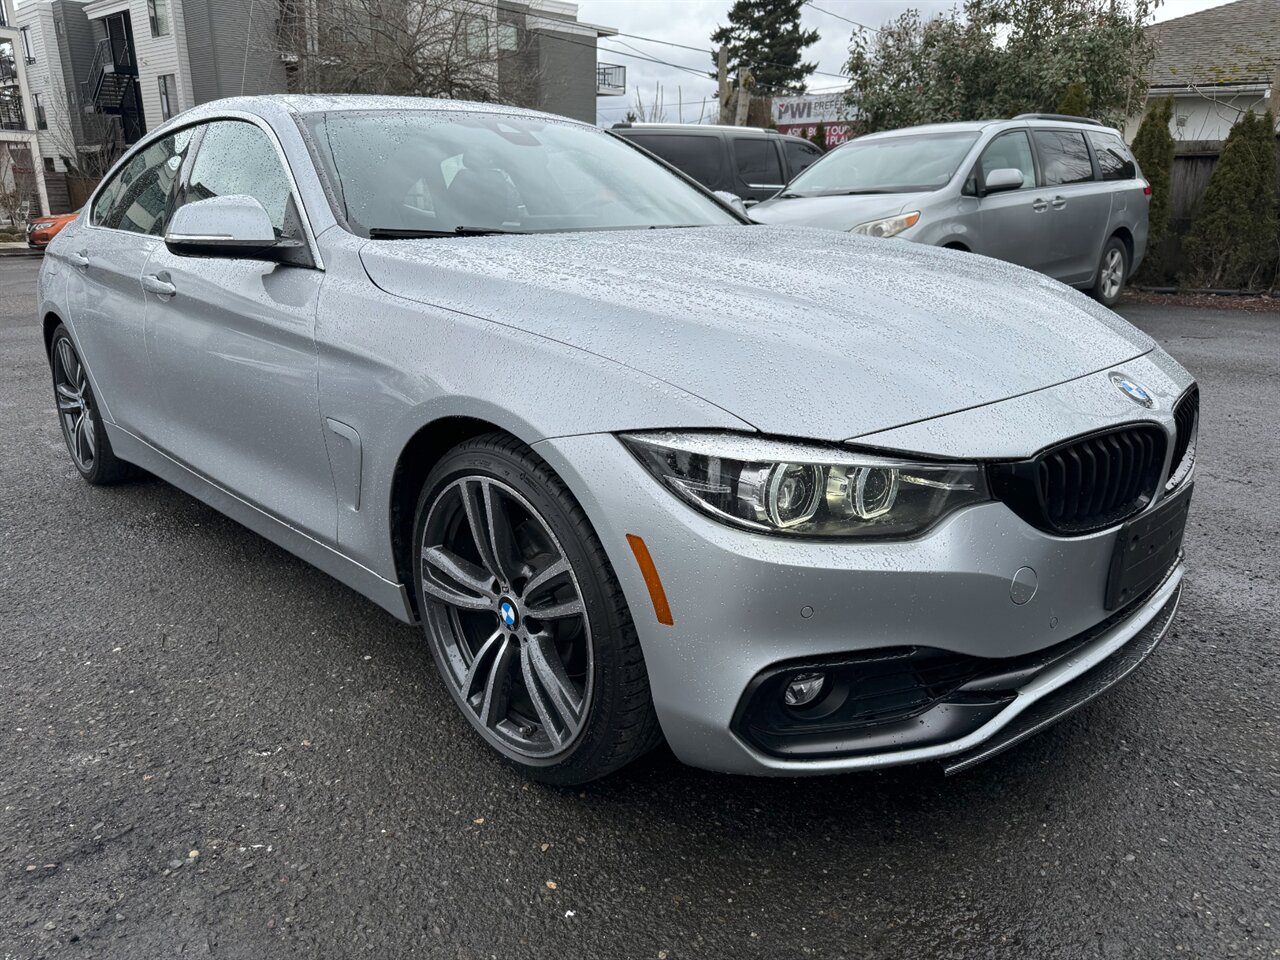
459,49
653,112
17,184
89,151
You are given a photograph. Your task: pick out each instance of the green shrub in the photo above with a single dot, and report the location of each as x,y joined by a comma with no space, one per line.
1153,149
1232,243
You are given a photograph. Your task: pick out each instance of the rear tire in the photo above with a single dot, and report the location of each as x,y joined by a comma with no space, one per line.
1113,273
78,414
525,618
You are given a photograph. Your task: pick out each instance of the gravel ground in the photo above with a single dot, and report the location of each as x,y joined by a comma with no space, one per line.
210,749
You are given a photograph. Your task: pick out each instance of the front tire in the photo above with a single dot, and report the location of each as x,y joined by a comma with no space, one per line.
82,428
1113,272
525,618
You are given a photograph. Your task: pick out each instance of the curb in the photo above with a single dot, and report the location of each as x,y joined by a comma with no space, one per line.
24,252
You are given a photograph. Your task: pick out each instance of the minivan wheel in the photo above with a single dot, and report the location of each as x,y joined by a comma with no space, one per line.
1113,271
525,618
78,415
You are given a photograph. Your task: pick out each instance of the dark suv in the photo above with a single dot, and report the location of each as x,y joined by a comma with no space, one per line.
750,162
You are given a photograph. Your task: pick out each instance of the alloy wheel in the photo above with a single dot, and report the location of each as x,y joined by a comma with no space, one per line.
1112,273
506,615
75,405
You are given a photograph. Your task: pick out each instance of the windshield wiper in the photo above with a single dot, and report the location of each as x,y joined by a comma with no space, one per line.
402,233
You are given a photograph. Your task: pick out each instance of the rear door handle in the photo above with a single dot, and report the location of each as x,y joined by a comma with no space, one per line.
158,283
1039,206
79,258
1059,202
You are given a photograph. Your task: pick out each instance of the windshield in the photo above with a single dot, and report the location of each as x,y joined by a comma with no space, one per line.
907,164
405,173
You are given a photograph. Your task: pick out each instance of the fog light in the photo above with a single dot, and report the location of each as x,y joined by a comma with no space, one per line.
803,689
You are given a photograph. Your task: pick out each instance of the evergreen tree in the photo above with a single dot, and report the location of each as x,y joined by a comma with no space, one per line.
819,138
1232,240
1153,149
1075,101
765,37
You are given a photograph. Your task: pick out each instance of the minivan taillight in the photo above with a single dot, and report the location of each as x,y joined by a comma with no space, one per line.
1146,189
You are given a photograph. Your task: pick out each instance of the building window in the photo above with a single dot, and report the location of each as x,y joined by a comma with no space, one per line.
166,96
475,37
158,14
27,52
42,123
49,166
58,29
508,37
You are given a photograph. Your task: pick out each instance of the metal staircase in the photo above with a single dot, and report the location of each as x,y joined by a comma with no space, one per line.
111,75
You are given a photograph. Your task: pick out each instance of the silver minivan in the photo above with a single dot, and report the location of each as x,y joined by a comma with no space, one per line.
1060,195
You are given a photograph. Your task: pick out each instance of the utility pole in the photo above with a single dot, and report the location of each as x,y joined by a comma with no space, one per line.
745,82
722,79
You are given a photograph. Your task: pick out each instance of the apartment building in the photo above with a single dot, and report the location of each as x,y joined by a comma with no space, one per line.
21,115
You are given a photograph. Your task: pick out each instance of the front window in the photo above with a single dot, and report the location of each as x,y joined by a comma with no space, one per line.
438,173
899,164
158,14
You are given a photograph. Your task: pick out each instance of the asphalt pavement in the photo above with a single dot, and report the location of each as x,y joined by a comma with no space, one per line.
210,749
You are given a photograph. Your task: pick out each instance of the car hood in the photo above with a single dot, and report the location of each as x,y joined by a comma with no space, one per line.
834,213
799,332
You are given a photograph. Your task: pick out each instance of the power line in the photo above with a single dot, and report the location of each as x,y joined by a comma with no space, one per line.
712,53
863,26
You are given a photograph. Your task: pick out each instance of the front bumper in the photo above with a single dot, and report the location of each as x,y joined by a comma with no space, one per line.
742,603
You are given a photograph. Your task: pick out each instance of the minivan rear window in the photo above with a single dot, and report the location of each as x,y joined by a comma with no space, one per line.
699,157
1114,159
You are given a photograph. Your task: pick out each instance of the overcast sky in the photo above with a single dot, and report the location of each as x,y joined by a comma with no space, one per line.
691,22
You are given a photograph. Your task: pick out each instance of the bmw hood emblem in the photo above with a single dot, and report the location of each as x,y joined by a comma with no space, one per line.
1133,390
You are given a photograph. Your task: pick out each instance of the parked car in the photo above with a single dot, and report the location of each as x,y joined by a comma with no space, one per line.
41,231
751,163
1060,195
799,501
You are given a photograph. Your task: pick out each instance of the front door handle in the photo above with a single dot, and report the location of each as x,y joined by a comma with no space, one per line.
80,258
1059,202
1039,206
158,283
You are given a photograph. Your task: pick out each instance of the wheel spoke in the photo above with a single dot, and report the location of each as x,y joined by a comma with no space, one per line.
558,611
544,576
77,434
490,676
455,581
473,502
502,536
90,435
67,358
563,696
541,702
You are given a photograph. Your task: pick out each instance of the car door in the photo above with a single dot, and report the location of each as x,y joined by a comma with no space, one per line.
757,164
230,344
105,254
1079,208
800,155
1010,225
696,155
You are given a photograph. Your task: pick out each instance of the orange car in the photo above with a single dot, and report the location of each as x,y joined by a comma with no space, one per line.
43,229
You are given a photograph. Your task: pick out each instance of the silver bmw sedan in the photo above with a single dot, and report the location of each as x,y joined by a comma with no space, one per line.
796,501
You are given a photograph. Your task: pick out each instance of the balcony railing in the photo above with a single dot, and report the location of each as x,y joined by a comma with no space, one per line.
12,116
611,80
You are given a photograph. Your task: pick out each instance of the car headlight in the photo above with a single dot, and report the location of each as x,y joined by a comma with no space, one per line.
41,226
809,490
888,226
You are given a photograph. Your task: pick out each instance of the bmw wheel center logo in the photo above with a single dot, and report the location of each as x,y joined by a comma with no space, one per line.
1134,391
508,613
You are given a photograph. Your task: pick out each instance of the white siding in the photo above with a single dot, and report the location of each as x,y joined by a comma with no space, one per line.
157,56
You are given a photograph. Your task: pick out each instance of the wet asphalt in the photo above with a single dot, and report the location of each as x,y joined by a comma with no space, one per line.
209,749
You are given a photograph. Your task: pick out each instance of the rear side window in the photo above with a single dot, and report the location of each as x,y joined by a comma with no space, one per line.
1115,162
136,199
800,155
1009,151
757,161
699,157
1063,156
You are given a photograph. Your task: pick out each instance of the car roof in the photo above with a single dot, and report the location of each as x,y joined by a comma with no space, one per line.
978,126
277,105
696,128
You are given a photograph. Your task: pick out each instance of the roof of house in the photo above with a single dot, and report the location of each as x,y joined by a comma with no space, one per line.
1236,43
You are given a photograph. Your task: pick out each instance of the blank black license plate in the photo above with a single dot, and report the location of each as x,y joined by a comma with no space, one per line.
1145,550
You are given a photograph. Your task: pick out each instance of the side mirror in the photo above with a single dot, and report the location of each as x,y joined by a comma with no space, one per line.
234,227
1006,178
733,200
